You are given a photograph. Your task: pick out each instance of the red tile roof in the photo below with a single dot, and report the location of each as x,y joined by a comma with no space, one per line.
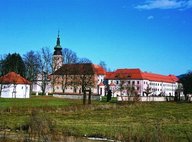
122,74
13,78
112,84
99,70
159,78
101,84
137,74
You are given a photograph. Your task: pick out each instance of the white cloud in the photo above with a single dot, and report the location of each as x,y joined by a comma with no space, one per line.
150,17
165,4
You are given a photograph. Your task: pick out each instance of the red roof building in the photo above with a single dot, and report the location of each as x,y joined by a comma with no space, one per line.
14,86
13,78
159,84
137,74
99,70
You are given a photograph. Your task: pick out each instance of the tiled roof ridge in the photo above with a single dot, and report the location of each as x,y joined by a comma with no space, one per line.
136,73
159,77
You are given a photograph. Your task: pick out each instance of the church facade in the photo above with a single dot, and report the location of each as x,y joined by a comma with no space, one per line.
75,78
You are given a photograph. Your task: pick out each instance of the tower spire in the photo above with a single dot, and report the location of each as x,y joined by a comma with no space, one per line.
57,55
58,33
58,47
58,40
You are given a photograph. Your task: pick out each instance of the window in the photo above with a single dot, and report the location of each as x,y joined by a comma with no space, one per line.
137,88
137,82
75,90
117,82
133,82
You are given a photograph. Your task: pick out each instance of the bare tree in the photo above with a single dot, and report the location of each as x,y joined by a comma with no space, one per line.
45,68
84,60
103,65
148,91
32,64
178,92
129,89
69,56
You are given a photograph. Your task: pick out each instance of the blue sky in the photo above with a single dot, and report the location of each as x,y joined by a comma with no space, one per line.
153,35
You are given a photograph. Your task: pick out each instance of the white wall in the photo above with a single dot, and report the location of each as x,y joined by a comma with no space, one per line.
15,91
36,86
141,85
145,99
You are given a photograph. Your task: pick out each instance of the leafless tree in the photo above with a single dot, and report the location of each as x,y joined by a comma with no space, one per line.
31,60
103,65
84,60
129,89
178,92
69,56
45,68
148,91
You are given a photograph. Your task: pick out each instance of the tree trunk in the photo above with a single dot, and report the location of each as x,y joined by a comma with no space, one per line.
84,97
89,99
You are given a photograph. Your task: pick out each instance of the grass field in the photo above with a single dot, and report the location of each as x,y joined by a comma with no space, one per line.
168,121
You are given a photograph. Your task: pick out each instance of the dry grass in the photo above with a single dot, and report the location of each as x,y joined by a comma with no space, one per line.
126,122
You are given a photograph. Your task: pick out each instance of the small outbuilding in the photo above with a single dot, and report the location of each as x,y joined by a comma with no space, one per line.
12,85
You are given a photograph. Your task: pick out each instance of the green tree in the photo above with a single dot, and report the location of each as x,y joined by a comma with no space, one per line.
13,62
186,80
1,63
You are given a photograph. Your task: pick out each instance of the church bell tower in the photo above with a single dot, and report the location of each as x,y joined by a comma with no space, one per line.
57,55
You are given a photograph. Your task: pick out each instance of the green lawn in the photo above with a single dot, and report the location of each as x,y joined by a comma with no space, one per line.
166,121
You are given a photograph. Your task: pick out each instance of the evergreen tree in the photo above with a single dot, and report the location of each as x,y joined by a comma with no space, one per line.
13,62
186,80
